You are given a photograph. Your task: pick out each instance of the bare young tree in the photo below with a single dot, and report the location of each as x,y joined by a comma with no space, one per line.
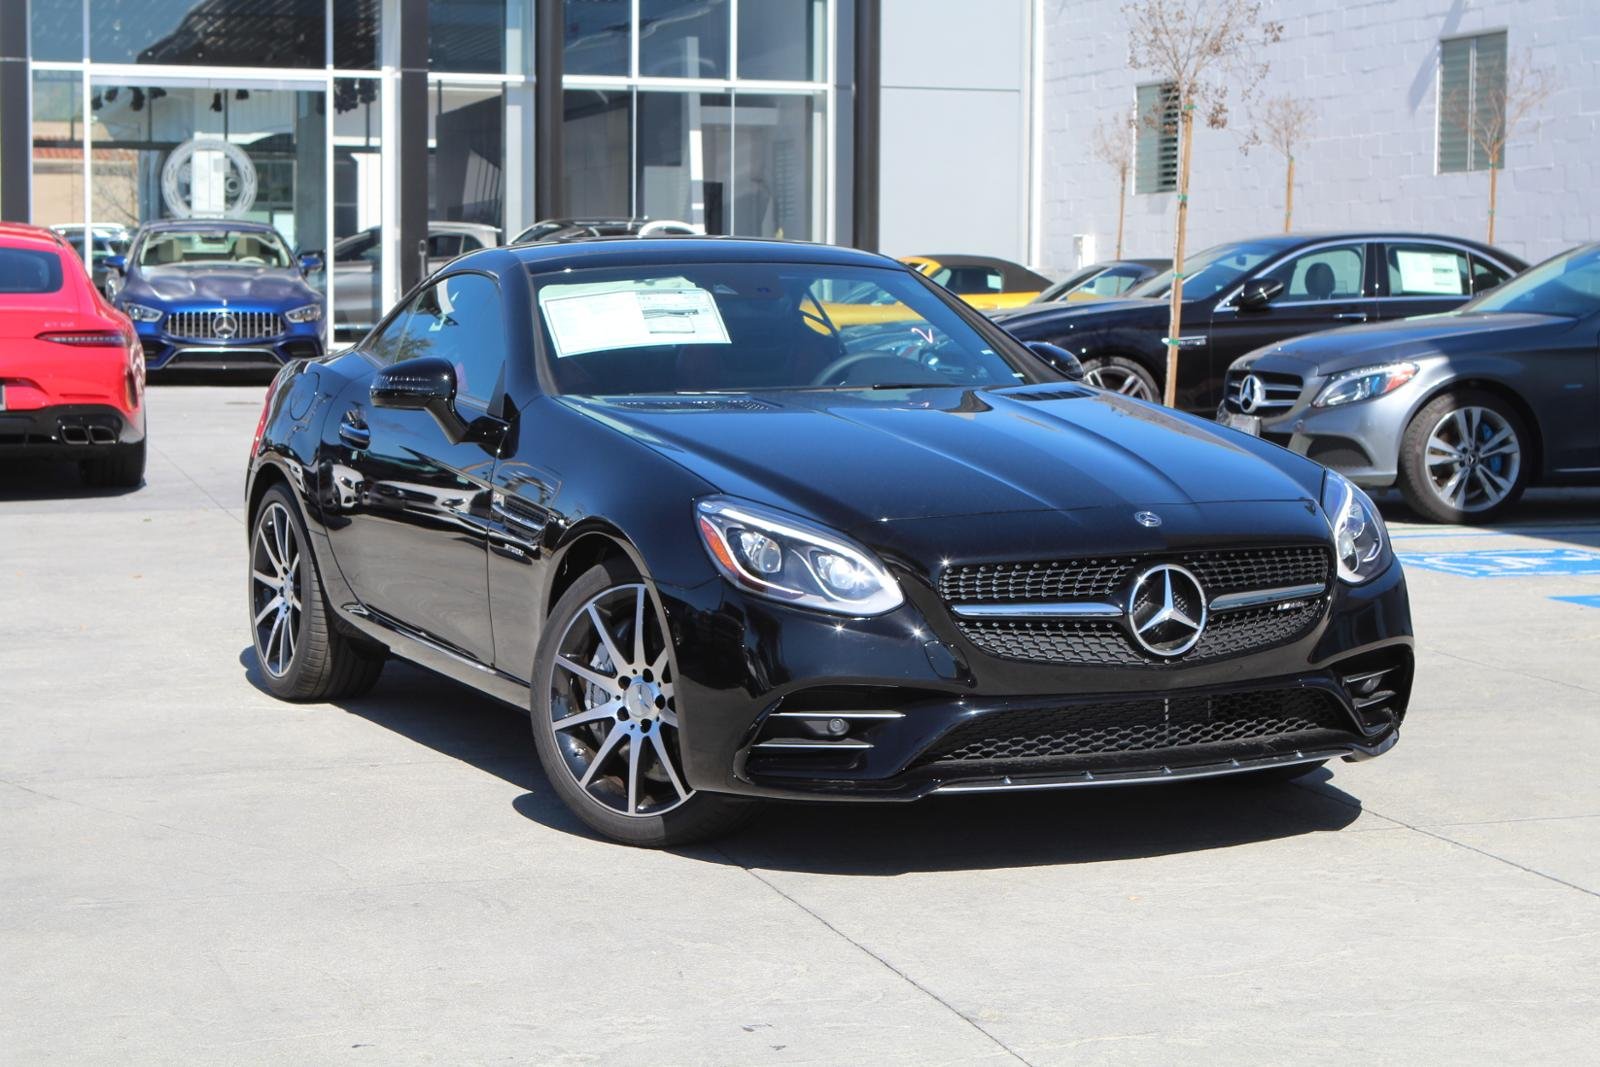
1498,111
1205,51
1112,144
1282,124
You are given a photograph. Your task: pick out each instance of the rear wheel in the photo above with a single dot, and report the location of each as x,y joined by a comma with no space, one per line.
605,717
301,654
1463,458
122,467
1118,374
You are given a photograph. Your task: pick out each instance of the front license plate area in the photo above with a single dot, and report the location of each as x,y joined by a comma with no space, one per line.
1250,424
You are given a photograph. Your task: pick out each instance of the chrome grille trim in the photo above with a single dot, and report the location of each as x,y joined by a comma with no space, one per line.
1256,598
202,325
1055,610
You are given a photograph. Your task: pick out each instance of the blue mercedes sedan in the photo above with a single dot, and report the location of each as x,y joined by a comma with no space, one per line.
218,295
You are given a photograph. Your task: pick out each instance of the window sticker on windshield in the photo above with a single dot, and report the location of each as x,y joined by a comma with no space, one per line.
1430,272
594,318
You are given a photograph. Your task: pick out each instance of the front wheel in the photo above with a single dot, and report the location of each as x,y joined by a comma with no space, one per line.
1463,458
605,718
1118,374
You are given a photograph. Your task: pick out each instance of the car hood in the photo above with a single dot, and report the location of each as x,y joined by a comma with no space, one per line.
854,459
242,285
1333,351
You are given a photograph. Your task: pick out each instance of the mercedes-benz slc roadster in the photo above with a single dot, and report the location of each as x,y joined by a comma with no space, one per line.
722,548
218,295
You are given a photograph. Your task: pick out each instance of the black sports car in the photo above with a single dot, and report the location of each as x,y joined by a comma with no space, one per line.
1240,296
722,548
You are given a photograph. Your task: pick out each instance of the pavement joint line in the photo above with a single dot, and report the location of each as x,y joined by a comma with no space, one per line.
191,479
902,975
1504,822
1512,670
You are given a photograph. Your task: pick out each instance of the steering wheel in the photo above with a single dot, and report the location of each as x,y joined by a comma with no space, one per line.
886,367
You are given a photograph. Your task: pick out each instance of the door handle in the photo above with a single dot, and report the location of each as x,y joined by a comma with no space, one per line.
1352,316
352,432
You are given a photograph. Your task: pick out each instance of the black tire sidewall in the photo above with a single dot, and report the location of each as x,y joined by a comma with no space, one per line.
1415,484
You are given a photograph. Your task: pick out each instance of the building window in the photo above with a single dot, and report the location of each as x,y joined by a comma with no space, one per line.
1472,101
1155,167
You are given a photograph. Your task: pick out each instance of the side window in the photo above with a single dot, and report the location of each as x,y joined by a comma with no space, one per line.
969,280
444,245
396,342
1427,270
1324,274
461,318
1486,275
1113,282
470,243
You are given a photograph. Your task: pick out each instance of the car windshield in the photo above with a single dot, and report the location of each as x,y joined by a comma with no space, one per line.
211,248
1210,272
1067,285
753,327
1568,285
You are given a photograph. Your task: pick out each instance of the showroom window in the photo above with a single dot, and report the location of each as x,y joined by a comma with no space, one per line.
1472,97
599,35
683,40
285,33
1155,165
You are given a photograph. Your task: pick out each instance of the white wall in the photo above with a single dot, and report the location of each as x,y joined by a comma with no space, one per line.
1370,66
954,127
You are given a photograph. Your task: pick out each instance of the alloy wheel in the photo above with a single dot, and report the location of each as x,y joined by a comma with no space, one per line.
1473,458
612,707
275,589
1118,380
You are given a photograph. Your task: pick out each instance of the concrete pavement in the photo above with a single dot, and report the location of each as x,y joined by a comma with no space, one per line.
192,871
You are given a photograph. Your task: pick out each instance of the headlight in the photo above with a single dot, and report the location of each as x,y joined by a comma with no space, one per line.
789,559
1360,540
140,313
309,313
1364,384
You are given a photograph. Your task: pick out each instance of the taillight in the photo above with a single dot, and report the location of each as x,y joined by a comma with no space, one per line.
87,338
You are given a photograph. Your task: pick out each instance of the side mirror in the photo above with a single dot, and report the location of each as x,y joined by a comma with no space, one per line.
118,263
1259,292
1059,358
310,261
426,383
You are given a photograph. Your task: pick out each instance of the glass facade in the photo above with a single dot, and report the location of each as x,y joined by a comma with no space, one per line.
708,112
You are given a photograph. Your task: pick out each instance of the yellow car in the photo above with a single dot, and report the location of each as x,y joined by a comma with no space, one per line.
984,282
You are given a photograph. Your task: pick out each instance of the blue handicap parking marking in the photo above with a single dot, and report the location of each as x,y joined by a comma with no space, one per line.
1515,563
1592,601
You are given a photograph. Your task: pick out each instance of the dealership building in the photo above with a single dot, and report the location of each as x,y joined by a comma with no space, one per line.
956,125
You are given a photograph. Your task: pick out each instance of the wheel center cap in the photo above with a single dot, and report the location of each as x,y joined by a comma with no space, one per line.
640,700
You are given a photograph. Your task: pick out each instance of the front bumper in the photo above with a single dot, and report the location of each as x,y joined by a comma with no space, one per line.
923,710
164,351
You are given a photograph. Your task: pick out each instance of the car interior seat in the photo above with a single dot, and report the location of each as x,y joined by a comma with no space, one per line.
1320,281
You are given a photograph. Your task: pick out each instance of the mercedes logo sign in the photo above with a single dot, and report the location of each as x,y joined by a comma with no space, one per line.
1147,518
1252,393
224,326
1167,610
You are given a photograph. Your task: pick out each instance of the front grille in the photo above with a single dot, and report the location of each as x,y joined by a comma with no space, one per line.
1103,579
1133,726
204,325
1105,642
1282,390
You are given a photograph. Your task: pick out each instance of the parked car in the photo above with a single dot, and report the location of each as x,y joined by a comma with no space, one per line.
105,242
1462,410
977,575
985,282
1098,281
71,372
1245,294
559,230
218,295
357,298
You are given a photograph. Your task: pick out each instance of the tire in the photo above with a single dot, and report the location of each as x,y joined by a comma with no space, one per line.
121,468
624,708
301,654
1471,433
1118,374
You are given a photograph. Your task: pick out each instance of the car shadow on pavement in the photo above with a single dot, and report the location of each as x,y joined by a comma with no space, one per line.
44,479
1558,514
941,833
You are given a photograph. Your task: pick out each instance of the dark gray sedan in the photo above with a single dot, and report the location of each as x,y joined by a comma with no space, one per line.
1461,411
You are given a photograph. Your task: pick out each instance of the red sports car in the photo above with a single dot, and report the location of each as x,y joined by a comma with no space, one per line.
71,368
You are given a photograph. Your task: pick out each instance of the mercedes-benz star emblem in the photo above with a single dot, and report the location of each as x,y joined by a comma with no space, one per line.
224,325
1147,518
1252,393
1167,610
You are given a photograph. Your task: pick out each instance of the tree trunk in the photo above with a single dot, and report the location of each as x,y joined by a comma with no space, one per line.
1122,204
1494,188
1288,198
1175,304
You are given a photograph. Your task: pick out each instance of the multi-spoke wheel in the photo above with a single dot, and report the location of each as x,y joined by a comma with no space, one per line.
302,656
1118,374
1462,458
606,719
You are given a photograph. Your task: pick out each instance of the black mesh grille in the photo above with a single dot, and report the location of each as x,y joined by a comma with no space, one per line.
1103,578
1105,642
1138,726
